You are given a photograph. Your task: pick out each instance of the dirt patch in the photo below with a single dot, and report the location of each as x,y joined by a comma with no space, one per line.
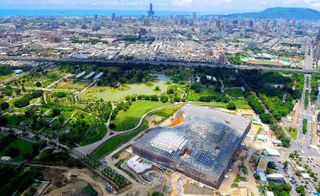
295,114
73,182
154,119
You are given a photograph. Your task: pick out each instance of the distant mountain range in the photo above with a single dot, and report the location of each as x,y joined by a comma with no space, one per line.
282,12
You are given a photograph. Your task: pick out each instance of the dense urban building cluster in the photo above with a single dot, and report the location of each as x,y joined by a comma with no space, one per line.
203,38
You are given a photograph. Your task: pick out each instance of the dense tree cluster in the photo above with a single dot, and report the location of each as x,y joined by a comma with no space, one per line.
279,132
235,59
60,94
275,90
219,97
4,105
82,128
25,100
17,180
280,189
231,106
101,109
5,71
7,90
51,156
254,103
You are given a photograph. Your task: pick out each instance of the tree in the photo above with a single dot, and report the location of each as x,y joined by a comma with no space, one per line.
112,126
285,164
22,102
300,189
170,91
280,189
12,152
157,88
231,106
56,112
38,84
18,91
266,118
164,99
4,105
318,188
3,121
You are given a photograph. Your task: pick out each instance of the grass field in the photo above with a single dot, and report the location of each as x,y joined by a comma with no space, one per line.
115,142
72,85
304,126
6,77
234,92
31,79
306,100
129,119
24,146
205,91
293,132
239,104
115,94
167,112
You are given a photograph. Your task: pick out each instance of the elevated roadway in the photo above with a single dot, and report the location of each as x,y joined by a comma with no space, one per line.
190,64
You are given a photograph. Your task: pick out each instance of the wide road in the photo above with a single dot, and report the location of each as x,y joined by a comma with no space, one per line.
190,64
303,142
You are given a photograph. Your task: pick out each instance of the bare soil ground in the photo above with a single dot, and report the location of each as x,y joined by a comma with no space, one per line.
73,182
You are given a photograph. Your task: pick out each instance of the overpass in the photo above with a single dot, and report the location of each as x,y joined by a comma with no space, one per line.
187,64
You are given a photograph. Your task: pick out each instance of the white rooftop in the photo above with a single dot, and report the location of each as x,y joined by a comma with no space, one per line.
275,176
305,176
272,152
138,165
168,141
269,193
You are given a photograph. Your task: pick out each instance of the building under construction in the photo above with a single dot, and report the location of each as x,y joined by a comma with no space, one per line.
202,145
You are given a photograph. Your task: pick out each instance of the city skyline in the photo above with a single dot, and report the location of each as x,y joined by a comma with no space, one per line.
207,6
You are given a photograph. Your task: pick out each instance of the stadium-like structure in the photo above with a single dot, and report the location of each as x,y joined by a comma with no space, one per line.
202,147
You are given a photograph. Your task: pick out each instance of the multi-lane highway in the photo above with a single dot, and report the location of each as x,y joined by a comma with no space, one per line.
190,64
303,142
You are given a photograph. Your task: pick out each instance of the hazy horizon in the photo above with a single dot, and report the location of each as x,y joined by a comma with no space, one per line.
201,6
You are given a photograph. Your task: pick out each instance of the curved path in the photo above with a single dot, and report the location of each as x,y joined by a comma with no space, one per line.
91,147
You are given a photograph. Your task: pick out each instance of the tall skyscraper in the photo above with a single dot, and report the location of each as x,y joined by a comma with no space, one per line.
150,12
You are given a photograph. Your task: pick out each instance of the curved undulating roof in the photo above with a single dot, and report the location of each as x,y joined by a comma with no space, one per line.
209,135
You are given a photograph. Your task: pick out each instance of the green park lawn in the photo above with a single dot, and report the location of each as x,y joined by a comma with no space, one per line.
204,91
72,85
4,77
239,104
45,79
24,146
167,112
293,132
129,119
116,94
113,143
234,92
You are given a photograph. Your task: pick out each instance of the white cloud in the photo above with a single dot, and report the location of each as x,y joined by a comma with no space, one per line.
181,3
188,5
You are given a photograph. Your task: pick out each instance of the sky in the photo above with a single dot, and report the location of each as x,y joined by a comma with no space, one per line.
208,6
